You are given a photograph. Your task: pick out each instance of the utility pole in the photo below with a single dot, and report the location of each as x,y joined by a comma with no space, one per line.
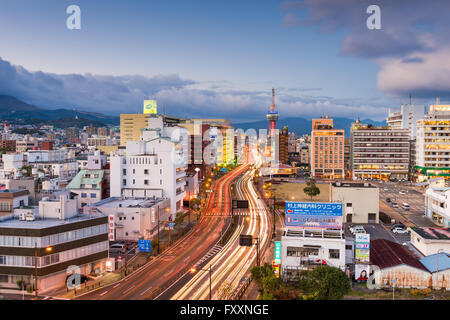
274,210
158,229
125,255
35,270
210,272
257,251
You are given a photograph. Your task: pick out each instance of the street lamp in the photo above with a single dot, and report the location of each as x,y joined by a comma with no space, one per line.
194,270
48,250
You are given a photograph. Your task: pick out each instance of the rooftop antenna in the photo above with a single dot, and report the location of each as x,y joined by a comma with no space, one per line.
410,99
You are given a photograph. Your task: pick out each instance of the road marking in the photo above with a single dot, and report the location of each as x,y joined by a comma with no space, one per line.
146,291
102,294
129,288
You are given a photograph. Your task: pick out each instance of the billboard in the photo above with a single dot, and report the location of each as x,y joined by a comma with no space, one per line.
362,247
150,106
320,215
361,272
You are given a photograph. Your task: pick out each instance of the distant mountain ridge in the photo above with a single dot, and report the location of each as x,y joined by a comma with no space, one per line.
303,126
12,108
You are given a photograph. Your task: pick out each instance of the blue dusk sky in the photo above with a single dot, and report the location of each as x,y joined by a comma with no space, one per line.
216,58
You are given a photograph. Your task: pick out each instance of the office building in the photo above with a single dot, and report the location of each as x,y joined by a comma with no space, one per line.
131,126
433,144
327,149
406,118
378,152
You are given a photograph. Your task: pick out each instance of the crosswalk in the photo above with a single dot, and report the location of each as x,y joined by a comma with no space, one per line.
210,253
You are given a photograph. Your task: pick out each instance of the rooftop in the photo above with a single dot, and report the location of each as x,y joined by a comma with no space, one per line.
387,254
86,177
431,262
43,223
433,233
116,202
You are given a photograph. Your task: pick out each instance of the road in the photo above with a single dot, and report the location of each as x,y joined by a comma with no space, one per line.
148,281
233,261
412,196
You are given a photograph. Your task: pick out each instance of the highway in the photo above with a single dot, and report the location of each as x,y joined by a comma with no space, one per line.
150,280
233,261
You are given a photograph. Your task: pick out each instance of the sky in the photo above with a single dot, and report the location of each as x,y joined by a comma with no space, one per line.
204,58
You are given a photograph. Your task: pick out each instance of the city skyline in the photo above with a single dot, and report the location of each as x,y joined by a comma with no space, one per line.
196,59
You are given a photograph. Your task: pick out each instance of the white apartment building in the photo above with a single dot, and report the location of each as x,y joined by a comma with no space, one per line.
406,118
134,218
11,165
304,249
433,143
46,155
378,152
153,167
437,205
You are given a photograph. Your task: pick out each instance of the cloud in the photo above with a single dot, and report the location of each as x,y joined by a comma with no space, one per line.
107,94
176,96
409,47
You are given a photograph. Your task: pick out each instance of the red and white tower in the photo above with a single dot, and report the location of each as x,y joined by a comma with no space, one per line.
272,115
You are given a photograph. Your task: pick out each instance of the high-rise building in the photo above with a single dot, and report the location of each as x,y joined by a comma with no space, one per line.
379,152
71,133
103,131
131,126
433,143
327,149
283,146
406,118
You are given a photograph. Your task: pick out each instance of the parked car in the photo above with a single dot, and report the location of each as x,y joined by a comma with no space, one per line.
398,225
399,230
357,229
402,192
405,206
388,199
117,247
394,204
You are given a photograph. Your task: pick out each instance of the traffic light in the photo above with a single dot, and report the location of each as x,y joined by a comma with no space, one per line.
245,240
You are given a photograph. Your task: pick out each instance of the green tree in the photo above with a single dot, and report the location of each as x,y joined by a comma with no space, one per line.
311,189
325,283
179,218
195,206
266,281
154,244
26,171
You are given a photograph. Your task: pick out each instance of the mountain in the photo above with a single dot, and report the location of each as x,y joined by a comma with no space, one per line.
303,126
14,109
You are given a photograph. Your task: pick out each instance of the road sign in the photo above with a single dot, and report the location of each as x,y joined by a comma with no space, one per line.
145,245
171,225
314,215
245,240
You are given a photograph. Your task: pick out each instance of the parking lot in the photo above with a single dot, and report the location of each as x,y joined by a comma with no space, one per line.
379,231
412,195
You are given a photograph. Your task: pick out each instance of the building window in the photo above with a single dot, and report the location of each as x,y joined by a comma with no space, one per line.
145,171
349,204
146,182
93,195
84,195
124,171
333,254
124,182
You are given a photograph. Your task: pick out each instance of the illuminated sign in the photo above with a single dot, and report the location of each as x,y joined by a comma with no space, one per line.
150,106
111,227
144,245
277,252
314,215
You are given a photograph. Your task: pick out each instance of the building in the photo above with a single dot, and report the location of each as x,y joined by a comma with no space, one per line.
292,142
304,155
406,118
304,249
131,126
391,261
437,205
103,131
192,187
433,144
71,133
134,218
89,186
347,157
155,166
438,265
360,201
429,241
11,199
283,146
57,237
47,145
378,153
8,145
327,149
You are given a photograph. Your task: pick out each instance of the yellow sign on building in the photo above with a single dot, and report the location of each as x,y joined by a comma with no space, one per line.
150,106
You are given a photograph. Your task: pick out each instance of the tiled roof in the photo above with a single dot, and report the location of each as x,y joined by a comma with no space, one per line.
433,233
386,254
80,179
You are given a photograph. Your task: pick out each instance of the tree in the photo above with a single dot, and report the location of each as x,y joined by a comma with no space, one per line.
325,283
311,189
266,281
195,205
179,218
